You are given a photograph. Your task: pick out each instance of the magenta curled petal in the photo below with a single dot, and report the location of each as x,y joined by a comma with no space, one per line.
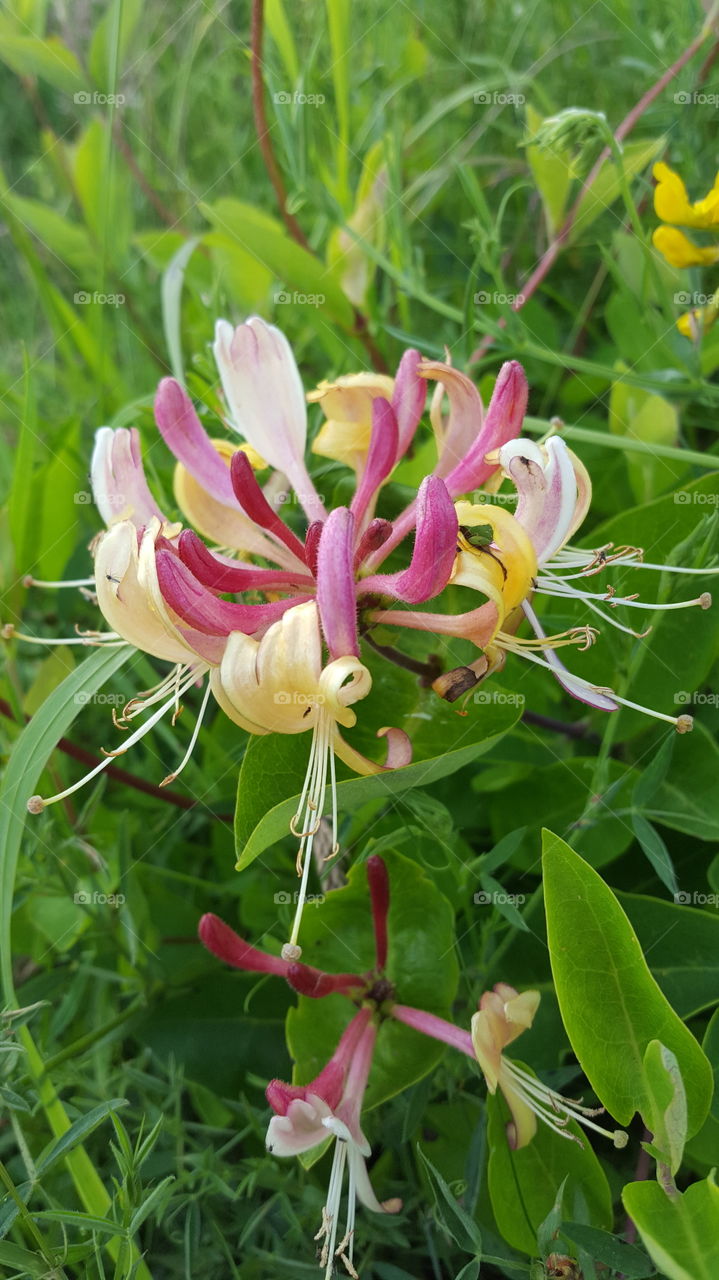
503,421
219,575
254,503
186,437
435,549
202,610
408,399
315,983
335,584
438,1028
312,544
399,747
378,884
228,946
381,457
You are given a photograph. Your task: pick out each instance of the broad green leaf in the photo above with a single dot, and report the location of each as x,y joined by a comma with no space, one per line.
244,277
338,936
552,172
22,1260
77,1133
651,418
606,187
455,1220
49,59
655,773
273,769
686,964
523,1185
681,1233
610,1003
688,798
625,1258
667,1116
65,240
267,240
103,190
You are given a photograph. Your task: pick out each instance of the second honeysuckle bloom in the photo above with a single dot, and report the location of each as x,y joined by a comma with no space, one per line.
502,1016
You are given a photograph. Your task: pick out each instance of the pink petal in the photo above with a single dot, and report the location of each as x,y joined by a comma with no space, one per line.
408,399
312,544
378,883
253,501
224,943
266,400
503,422
381,457
466,414
217,574
434,553
335,584
201,609
574,685
374,536
547,490
186,437
478,625
430,1025
119,487
316,984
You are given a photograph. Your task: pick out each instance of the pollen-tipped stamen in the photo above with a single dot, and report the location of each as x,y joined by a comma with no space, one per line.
538,1096
308,816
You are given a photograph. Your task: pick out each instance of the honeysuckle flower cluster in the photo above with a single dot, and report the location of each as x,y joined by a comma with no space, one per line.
283,654
306,1116
673,206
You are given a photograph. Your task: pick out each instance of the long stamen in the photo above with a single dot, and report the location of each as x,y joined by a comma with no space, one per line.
109,639
313,795
330,1214
198,725
583,637
550,586
29,581
538,1095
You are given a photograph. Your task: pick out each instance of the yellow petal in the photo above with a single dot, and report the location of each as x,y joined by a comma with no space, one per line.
680,251
672,203
504,573
694,323
347,405
523,1125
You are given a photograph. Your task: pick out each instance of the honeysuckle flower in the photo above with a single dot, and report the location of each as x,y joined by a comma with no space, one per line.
347,404
509,558
502,1016
307,1116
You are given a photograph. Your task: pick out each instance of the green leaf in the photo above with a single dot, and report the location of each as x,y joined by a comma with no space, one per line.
656,851
655,773
281,32
273,769
688,798
455,1220
523,1185
13,1100
617,1254
681,1233
686,965
552,173
65,239
268,241
77,1133
610,1003
121,16
338,936
84,1221
171,293
666,1117
49,59
22,1259
606,187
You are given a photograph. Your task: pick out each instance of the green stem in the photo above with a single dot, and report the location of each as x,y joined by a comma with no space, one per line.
709,461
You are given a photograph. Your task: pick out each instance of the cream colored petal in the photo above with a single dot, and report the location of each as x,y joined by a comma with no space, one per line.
124,600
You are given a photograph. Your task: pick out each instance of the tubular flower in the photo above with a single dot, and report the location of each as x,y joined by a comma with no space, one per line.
672,205
164,591
510,558
502,1016
307,1116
